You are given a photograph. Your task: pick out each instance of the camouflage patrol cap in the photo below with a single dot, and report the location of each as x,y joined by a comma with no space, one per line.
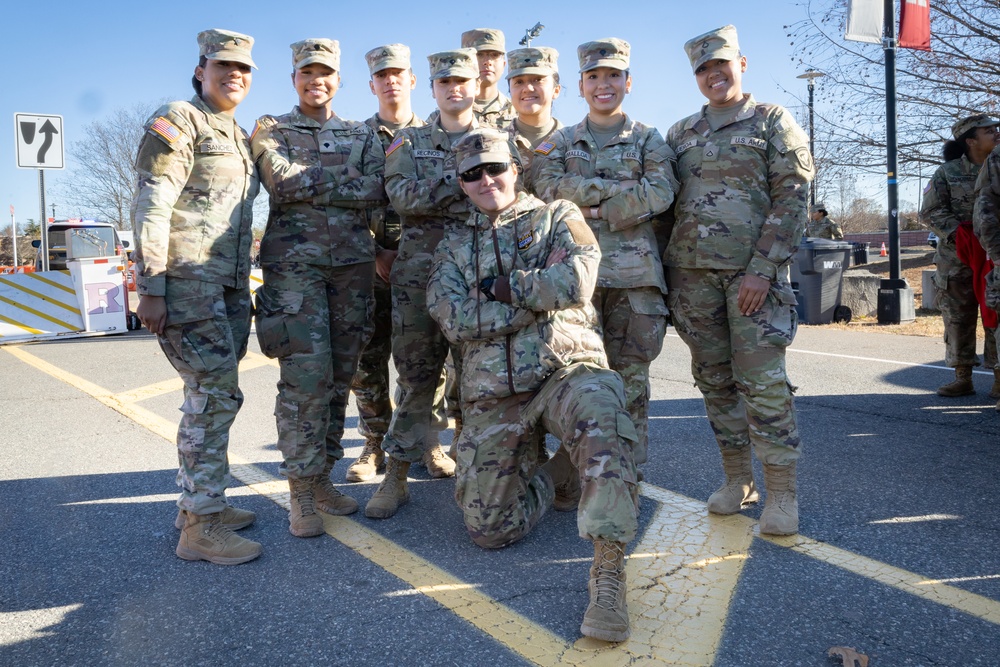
389,56
484,39
461,64
532,60
216,44
316,50
966,124
817,207
481,146
718,44
609,52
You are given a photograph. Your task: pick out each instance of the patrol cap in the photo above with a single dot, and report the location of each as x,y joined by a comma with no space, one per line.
216,44
532,60
316,50
966,124
818,206
389,56
482,146
483,39
461,64
718,44
608,52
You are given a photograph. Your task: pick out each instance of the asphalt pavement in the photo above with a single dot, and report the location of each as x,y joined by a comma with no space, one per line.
896,555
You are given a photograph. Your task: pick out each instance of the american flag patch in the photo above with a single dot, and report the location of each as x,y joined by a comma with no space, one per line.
166,129
545,148
396,143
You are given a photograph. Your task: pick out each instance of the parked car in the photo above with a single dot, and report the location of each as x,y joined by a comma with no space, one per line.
932,240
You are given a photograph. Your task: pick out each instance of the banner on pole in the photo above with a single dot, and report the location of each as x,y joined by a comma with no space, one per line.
865,21
915,25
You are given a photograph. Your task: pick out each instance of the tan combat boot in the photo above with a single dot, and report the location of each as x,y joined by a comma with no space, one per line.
995,389
392,493
302,518
438,463
781,508
606,617
203,537
566,479
739,488
455,435
329,499
960,386
371,461
232,518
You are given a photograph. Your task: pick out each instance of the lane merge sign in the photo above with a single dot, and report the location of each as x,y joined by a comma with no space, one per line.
39,140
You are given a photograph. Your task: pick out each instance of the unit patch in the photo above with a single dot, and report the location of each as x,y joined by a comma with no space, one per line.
524,241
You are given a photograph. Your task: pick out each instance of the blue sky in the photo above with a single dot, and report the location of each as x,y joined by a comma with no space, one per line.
83,60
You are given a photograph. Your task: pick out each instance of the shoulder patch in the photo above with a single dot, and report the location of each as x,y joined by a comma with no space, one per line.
396,143
545,148
525,240
166,129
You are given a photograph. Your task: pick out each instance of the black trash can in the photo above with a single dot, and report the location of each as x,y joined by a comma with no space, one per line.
817,274
860,253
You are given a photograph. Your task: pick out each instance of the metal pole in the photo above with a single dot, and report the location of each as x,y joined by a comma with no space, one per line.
44,248
13,235
812,145
892,187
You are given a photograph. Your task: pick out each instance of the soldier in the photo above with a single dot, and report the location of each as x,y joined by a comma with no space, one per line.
822,226
422,187
621,174
512,287
492,107
314,310
947,208
744,170
192,213
986,225
392,81
533,81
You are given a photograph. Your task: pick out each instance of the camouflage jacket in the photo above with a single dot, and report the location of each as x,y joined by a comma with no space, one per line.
742,203
510,348
318,209
571,166
526,150
824,228
383,220
193,207
986,217
499,113
949,199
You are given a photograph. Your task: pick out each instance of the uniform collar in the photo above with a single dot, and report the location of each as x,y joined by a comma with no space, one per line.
582,134
299,119
219,121
440,137
524,203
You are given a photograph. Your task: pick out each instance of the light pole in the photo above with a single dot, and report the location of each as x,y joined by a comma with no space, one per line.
811,75
53,210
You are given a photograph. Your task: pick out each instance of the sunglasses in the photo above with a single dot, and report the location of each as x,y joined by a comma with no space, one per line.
494,169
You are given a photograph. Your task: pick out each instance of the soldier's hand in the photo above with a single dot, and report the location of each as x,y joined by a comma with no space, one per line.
753,291
352,173
629,184
152,312
384,259
556,256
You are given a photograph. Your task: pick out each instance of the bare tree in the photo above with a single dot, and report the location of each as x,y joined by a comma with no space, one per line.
102,182
958,78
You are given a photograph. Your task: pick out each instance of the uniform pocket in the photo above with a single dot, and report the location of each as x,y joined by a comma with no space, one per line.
195,335
280,329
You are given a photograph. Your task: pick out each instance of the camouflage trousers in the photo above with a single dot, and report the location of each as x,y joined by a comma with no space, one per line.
419,349
498,485
634,323
206,335
959,308
314,320
738,362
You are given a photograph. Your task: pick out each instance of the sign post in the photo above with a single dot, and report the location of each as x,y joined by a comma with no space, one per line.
13,235
39,141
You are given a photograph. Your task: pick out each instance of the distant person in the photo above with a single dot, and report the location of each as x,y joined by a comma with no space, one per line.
314,310
512,289
193,216
948,203
744,169
822,226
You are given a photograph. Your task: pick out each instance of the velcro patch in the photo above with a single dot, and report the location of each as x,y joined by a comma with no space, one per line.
583,155
428,152
396,143
215,147
166,129
545,148
631,155
525,240
687,145
748,141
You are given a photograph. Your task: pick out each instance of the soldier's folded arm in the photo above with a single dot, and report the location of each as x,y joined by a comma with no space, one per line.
413,196
553,182
985,222
936,209
360,191
652,195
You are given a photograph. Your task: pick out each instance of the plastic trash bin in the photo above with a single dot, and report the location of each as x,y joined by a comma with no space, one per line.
817,274
861,253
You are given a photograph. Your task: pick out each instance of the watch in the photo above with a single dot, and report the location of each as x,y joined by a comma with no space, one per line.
486,288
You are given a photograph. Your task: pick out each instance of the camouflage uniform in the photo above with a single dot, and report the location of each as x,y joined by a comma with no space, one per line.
948,202
824,228
192,215
630,285
538,361
315,308
986,224
498,113
741,209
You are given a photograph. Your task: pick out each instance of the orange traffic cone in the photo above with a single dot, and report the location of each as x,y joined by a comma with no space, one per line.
883,253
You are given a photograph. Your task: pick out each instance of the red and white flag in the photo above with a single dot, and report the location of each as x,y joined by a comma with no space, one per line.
915,25
865,21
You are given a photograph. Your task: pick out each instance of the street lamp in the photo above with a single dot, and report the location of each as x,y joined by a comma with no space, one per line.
53,210
810,75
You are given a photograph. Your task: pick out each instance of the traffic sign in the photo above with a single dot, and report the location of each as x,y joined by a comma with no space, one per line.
39,140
